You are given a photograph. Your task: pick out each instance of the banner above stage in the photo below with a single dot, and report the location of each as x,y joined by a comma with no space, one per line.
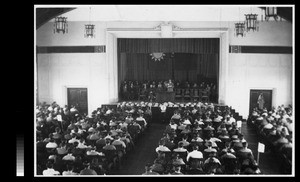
169,45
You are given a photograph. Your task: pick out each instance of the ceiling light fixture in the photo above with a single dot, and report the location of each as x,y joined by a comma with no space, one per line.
89,28
239,28
271,12
251,22
60,25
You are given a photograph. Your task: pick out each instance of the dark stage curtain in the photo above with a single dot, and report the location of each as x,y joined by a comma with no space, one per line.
180,45
182,67
193,60
137,66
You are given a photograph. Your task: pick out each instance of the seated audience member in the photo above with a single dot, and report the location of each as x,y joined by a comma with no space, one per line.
282,140
81,144
177,160
249,165
186,130
50,171
62,150
87,170
177,170
176,115
141,121
69,171
171,125
212,165
197,140
166,137
244,152
195,169
93,152
51,144
97,166
69,157
186,120
170,143
109,146
160,162
180,147
148,170
161,147
195,154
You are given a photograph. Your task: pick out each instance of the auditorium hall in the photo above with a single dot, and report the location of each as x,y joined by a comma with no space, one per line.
164,90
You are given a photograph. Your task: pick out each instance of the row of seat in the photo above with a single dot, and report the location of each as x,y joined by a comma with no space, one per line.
272,130
102,143
194,94
211,143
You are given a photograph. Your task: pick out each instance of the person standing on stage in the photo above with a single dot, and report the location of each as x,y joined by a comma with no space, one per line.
170,86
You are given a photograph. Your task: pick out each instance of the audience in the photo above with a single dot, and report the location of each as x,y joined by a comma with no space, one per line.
275,128
148,170
203,138
86,145
207,141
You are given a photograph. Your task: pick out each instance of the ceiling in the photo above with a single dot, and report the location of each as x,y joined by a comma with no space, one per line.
153,13
43,15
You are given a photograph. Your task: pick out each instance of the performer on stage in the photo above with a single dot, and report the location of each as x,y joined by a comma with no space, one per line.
170,86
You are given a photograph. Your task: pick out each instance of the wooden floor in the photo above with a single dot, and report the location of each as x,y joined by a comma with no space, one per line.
144,152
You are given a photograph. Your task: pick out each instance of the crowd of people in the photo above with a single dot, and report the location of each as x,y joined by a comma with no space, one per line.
200,138
71,143
203,140
275,128
146,90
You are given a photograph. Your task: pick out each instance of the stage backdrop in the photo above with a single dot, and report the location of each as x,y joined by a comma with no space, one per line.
191,60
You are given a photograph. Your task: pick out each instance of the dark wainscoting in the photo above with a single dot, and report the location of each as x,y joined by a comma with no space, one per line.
71,49
261,49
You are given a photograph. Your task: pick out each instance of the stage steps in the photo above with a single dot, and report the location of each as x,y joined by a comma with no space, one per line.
236,115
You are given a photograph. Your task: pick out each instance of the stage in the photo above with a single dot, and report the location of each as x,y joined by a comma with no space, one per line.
165,96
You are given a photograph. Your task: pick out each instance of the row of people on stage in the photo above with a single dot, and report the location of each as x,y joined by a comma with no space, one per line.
128,84
132,90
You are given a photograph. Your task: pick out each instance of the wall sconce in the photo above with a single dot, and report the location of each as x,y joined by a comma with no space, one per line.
251,22
89,31
60,25
239,29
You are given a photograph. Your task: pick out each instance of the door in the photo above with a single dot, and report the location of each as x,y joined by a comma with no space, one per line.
265,100
78,97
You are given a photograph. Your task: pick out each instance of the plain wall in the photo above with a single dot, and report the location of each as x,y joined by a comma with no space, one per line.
57,72
258,71
245,71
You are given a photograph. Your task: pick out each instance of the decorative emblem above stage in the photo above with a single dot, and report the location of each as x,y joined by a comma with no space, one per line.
157,56
166,29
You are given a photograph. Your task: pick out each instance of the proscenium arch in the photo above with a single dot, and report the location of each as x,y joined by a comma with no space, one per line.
112,34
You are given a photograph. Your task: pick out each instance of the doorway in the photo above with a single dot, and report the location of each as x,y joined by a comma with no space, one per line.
78,97
254,97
